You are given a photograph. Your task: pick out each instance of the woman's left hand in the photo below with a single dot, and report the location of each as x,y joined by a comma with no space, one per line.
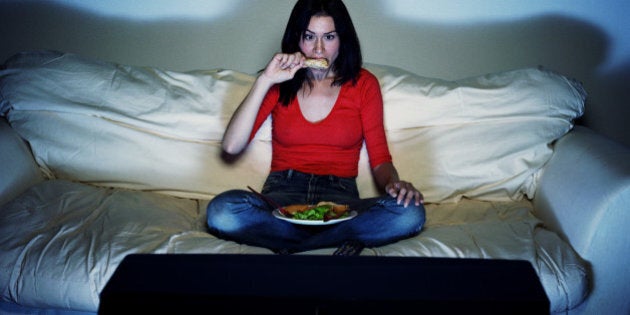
404,192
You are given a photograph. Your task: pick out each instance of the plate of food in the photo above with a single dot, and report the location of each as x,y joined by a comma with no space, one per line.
323,213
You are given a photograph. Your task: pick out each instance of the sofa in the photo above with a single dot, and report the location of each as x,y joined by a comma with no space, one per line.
100,160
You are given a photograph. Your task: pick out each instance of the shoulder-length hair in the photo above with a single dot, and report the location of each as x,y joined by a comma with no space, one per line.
348,64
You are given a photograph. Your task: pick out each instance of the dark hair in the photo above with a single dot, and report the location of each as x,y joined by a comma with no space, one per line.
348,64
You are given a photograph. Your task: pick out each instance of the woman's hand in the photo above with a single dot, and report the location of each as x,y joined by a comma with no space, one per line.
386,177
283,67
404,192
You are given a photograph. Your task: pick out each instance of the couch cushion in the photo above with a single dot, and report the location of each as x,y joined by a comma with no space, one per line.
144,128
484,137
18,170
61,241
500,230
126,126
71,237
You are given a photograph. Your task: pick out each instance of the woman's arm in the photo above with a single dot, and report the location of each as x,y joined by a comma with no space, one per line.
282,67
237,133
384,173
386,177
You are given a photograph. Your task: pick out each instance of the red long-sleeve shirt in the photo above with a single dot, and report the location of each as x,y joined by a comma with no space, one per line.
331,146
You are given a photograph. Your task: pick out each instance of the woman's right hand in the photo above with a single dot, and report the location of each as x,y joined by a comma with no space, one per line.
283,67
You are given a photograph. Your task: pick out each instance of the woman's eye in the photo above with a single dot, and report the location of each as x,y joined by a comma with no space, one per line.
330,37
308,37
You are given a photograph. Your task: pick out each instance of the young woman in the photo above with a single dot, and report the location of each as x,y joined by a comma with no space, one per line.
320,120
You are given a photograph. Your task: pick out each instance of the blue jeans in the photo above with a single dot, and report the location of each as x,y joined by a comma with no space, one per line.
243,217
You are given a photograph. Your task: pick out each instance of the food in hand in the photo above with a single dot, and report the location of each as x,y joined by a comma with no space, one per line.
324,210
316,63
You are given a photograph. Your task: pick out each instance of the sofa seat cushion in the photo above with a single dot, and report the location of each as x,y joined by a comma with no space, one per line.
61,241
504,230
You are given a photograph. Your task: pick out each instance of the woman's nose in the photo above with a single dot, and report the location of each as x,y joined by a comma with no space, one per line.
319,46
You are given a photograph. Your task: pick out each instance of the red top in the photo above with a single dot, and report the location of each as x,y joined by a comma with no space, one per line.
331,146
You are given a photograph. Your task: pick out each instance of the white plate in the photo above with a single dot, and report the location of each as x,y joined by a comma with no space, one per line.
276,213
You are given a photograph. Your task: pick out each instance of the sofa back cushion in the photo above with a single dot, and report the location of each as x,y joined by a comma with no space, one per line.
145,128
484,137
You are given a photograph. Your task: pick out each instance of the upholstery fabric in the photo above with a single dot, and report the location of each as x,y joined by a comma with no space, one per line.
589,176
17,168
71,237
483,137
155,130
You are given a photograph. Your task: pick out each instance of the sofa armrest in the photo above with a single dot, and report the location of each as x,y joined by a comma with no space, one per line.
584,194
18,169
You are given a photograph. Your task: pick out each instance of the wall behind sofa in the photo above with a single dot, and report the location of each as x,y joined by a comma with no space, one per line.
447,39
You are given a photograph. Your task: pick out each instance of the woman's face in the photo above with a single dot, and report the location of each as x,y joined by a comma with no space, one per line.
320,40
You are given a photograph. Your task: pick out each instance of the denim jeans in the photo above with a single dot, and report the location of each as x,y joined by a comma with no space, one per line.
243,217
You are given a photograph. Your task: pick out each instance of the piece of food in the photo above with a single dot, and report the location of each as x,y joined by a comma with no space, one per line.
313,213
325,210
319,63
336,208
292,209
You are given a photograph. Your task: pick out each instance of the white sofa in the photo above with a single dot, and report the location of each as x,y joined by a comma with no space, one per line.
100,160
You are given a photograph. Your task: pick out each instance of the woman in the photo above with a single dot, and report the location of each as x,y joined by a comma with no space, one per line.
320,120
